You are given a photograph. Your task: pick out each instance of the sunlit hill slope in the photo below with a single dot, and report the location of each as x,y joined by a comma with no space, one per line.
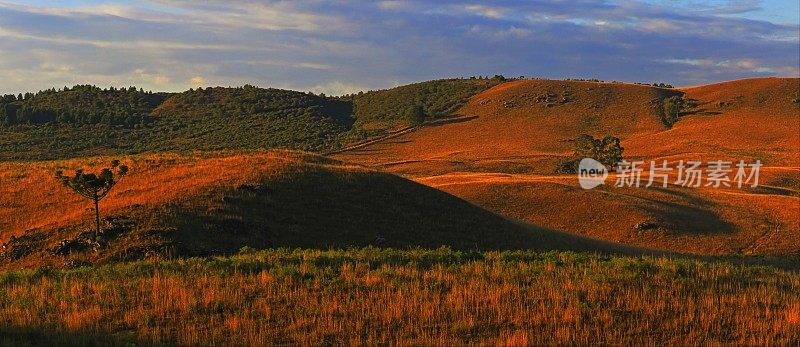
502,150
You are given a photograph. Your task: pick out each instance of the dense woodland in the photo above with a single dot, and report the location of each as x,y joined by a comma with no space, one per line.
250,100
80,105
87,120
419,101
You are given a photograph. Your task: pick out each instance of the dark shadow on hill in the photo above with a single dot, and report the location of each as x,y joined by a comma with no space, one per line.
339,110
772,190
694,108
321,208
693,215
450,120
30,336
307,205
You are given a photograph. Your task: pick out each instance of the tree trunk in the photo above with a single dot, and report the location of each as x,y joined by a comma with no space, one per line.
96,216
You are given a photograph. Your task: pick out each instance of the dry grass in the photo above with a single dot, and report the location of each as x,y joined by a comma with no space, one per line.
214,204
31,198
517,129
740,120
425,297
503,161
694,220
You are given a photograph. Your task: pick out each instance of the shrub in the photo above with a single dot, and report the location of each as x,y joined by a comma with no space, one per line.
672,107
607,151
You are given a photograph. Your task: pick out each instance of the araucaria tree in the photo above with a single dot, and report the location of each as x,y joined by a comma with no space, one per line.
94,187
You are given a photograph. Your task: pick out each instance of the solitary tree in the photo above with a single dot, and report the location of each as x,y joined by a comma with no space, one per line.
94,187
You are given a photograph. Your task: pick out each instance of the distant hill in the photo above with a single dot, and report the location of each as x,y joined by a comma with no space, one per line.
523,126
249,118
382,110
80,105
86,120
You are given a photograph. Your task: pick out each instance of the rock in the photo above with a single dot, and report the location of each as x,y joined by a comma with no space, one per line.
647,225
74,263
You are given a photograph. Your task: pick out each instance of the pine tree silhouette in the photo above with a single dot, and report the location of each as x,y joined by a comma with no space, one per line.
94,187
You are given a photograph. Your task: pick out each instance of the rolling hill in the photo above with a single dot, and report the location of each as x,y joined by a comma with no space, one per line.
502,156
498,152
522,126
217,203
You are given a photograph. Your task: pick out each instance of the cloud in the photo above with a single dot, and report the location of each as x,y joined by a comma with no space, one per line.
393,5
693,62
486,11
501,33
338,88
197,81
659,25
338,47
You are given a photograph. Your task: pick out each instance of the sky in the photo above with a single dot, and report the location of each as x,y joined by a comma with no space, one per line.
339,47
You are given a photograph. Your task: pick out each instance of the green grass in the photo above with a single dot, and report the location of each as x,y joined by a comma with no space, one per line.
86,120
385,108
414,296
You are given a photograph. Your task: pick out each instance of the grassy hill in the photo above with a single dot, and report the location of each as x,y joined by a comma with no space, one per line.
289,247
504,156
744,119
86,120
249,118
524,126
204,204
402,297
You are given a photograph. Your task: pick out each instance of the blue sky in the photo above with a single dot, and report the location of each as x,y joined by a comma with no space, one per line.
346,46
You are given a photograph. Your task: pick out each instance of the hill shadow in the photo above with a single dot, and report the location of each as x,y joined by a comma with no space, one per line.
692,217
305,204
34,336
450,120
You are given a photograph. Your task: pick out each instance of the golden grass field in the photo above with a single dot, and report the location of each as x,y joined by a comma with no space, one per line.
414,297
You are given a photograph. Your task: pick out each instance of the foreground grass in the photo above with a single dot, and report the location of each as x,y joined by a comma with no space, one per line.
377,296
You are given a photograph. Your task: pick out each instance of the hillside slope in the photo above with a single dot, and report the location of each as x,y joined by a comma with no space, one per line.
207,204
747,119
382,110
520,127
503,155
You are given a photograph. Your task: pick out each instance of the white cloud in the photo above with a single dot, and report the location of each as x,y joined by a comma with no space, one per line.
660,25
343,47
393,5
338,88
486,11
60,39
695,62
254,14
197,82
